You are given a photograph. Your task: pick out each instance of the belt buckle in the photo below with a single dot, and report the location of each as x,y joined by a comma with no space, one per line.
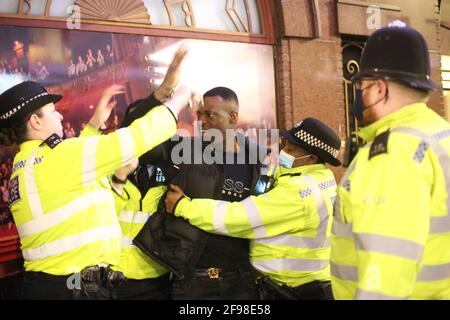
213,273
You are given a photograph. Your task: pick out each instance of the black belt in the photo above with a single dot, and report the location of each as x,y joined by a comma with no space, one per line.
217,273
45,276
164,277
88,273
95,282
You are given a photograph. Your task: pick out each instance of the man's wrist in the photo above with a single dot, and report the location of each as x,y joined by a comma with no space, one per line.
162,94
118,180
95,124
180,205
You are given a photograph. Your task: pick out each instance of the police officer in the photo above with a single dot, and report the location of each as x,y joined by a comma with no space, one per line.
289,225
63,207
145,279
391,229
137,190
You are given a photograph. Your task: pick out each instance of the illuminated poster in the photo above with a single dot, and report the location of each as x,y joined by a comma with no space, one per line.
80,65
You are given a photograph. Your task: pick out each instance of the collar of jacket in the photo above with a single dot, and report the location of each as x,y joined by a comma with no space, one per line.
299,170
30,145
391,120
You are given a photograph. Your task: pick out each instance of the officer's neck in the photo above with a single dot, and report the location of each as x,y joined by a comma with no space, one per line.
38,134
395,102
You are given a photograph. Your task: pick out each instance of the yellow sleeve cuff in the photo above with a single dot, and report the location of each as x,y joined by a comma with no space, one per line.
181,207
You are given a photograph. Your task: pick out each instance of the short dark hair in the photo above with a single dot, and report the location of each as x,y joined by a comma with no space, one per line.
223,92
18,133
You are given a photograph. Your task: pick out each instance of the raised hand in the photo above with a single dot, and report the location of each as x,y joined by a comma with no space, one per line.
172,77
104,106
123,172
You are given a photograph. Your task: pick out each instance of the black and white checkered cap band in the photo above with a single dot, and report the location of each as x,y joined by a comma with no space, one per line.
313,141
11,112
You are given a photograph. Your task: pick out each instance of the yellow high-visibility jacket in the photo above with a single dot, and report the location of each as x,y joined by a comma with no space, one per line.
62,205
391,230
289,225
133,263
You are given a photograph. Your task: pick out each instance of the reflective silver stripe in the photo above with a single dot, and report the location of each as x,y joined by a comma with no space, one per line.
440,224
219,217
254,218
434,272
134,217
127,145
341,229
295,241
321,208
320,240
126,216
67,244
368,295
389,245
127,242
65,212
33,197
337,202
277,265
344,272
88,165
437,224
441,135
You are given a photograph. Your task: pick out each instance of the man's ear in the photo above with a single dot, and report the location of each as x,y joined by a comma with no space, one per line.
382,87
233,117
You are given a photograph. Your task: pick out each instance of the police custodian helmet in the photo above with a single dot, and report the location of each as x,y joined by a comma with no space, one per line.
315,137
400,54
22,99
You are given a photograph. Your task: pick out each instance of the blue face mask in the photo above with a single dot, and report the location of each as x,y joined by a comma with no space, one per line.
358,105
286,160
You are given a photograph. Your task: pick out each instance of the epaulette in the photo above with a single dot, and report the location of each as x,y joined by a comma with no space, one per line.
379,144
52,141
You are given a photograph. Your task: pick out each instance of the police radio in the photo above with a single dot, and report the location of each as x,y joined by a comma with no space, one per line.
352,145
265,183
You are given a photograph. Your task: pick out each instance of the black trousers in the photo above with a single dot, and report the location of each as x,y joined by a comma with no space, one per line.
239,284
10,287
147,289
315,290
92,283
41,286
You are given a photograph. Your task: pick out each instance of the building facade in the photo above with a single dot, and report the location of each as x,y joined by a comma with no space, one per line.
296,57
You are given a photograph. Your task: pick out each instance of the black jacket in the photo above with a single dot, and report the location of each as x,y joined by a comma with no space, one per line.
170,240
